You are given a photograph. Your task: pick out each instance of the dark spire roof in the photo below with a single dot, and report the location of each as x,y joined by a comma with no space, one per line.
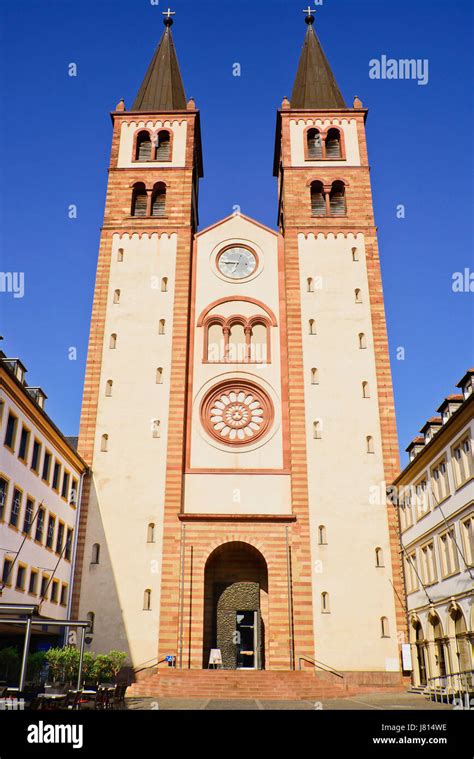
162,88
315,86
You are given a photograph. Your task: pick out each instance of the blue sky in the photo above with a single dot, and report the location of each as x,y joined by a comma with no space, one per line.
55,142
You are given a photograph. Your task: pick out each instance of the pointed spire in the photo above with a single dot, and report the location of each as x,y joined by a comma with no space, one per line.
315,86
162,88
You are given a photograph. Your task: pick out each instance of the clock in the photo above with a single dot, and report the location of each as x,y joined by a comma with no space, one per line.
237,262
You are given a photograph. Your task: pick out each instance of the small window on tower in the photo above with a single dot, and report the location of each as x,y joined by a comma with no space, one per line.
312,327
120,255
310,285
159,376
333,144
314,377
337,199
161,328
314,144
143,151
163,146
362,341
139,200
318,199
158,200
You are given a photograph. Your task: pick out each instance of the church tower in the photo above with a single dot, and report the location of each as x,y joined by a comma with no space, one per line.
238,412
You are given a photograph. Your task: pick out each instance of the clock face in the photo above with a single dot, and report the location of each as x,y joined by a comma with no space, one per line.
237,263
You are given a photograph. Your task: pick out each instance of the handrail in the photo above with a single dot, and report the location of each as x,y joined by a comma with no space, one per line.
454,683
146,664
319,665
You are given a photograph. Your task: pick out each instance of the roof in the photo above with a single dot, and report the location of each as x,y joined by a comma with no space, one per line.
457,398
162,88
315,85
434,421
466,377
416,441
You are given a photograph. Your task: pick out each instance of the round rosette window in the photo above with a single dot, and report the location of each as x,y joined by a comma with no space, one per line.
237,413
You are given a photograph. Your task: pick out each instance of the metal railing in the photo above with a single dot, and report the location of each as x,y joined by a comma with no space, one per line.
151,663
458,686
319,665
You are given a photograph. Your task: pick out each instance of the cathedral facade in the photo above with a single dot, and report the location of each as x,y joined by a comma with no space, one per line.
238,411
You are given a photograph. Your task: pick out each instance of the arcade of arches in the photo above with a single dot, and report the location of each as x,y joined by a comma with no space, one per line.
441,645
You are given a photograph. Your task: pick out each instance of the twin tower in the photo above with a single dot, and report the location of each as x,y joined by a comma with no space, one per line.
238,411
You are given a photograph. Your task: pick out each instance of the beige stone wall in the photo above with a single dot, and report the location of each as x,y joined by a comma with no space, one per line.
298,129
178,129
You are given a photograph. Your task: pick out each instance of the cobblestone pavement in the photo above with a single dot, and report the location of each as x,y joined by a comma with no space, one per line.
377,701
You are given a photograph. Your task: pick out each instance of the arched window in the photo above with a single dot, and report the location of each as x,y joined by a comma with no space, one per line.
215,343
365,390
158,200
163,146
312,327
355,254
322,536
108,388
384,628
370,444
314,143
120,255
147,600
161,327
237,344
333,144
310,285
164,285
159,376
156,428
318,199
143,151
90,617
139,200
358,296
104,443
150,533
314,377
117,296
325,603
362,341
378,557
258,343
317,430
337,199
95,559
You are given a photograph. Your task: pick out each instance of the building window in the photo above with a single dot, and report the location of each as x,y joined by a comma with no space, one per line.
16,507
322,535
28,518
117,297
325,609
337,199
147,600
314,144
60,539
358,296
143,150
120,253
104,443
355,254
35,456
448,553
236,340
54,591
68,551
90,617
156,431
7,571
95,558
365,390
411,572
314,377
370,444
162,327
139,200
159,375
56,475
108,388
461,456
50,531
158,201
384,628
318,199
73,493
3,496
10,432
44,585
65,486
317,430
163,146
362,341
33,583
150,535
428,563
46,467
379,557
467,529
310,285
63,598
312,327
440,481
421,498
40,525
24,444
113,341
20,577
164,285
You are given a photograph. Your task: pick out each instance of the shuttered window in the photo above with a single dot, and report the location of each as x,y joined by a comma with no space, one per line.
337,200
143,147
140,201
318,201
315,144
163,148
158,205
333,144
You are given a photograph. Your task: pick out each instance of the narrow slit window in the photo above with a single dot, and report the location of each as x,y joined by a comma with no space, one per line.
358,296
147,600
378,557
117,296
314,377
365,390
322,536
95,558
159,376
113,341
104,443
362,341
162,326
317,430
164,285
108,388
150,535
370,444
312,327
325,603
120,255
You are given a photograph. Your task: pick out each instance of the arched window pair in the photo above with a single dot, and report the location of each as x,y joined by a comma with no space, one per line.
328,203
237,340
323,145
156,147
149,203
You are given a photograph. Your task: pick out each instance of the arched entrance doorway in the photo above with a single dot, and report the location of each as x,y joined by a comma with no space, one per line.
236,606
441,652
420,646
462,641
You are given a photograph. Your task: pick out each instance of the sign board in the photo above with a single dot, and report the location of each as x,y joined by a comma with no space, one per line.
215,657
406,657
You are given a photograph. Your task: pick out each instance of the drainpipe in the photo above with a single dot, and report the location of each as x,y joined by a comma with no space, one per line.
290,600
74,552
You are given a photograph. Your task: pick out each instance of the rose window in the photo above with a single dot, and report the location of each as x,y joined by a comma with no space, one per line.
237,413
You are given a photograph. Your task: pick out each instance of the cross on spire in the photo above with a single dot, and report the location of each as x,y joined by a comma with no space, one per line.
168,20
309,14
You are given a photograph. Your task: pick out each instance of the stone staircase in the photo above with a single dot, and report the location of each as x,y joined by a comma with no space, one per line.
248,684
